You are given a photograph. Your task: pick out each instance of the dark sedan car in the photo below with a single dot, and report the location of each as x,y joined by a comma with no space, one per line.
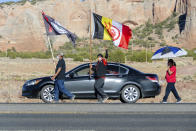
121,82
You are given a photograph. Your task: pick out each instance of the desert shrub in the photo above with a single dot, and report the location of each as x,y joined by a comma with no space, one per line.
139,56
84,55
171,25
162,44
78,58
67,46
24,55
69,55
117,56
2,54
188,78
42,55
191,53
12,55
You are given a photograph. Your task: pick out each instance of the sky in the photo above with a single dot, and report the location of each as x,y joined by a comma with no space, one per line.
1,1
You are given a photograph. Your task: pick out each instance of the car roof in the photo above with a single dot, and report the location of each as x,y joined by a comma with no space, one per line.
113,63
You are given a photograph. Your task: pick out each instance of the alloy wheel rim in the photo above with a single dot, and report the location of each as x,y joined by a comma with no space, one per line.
48,94
130,93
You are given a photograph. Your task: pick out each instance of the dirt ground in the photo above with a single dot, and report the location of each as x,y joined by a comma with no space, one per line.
14,72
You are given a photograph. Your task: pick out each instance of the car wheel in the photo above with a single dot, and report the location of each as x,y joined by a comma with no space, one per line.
130,94
47,93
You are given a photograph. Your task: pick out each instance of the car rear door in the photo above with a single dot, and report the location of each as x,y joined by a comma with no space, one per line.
115,77
80,83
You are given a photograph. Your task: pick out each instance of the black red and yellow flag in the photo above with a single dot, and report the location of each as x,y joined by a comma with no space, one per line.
108,29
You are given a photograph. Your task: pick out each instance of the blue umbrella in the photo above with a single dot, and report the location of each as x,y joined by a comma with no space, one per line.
168,52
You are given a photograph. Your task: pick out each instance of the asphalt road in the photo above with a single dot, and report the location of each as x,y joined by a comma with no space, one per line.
98,117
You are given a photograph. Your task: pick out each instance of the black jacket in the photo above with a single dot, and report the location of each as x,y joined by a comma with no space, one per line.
101,67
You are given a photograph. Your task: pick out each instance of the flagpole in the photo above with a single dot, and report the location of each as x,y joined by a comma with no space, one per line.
90,42
90,39
49,44
146,54
51,50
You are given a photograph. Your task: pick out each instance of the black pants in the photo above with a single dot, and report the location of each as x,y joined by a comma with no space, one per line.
99,83
171,87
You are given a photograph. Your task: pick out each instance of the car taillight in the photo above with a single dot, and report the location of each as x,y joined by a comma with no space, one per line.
152,78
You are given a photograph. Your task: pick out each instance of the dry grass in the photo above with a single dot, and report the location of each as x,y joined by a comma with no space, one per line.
14,72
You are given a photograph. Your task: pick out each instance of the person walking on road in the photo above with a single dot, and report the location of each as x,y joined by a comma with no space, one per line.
59,78
99,72
171,80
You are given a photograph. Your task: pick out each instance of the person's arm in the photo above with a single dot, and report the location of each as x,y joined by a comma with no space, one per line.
91,67
106,53
170,71
59,69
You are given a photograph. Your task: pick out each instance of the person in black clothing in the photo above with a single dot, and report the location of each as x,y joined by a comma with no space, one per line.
60,77
99,72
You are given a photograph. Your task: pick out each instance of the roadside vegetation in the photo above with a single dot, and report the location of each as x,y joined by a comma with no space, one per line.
12,53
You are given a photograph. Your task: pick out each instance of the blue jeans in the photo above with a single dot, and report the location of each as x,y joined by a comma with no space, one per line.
171,87
59,86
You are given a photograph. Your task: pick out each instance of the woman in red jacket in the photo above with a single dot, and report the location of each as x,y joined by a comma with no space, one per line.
171,80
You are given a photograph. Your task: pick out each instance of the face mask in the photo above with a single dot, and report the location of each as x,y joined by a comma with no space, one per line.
99,59
57,57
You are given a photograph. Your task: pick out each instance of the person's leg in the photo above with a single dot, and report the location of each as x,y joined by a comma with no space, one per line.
97,93
63,89
99,87
56,91
174,91
167,91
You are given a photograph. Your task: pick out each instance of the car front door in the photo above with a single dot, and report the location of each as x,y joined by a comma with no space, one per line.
79,82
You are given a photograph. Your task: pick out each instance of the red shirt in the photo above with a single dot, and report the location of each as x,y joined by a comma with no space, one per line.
171,78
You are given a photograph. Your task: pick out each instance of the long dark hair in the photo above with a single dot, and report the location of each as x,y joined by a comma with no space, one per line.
171,62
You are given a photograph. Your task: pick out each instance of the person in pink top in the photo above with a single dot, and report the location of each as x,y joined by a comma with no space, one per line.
171,80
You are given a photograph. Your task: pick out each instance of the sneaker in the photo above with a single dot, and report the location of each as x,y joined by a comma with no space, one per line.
105,99
73,97
178,101
100,100
164,102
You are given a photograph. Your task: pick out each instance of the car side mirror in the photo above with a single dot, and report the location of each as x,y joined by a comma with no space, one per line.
71,75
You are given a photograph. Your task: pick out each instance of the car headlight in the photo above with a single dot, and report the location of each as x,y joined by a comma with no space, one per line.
33,82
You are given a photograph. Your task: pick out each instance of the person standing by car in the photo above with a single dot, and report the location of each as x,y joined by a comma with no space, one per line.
99,72
171,80
60,77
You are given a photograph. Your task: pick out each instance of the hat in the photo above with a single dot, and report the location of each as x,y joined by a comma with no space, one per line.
100,55
61,54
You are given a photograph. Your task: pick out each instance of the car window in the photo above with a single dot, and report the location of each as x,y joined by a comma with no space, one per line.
123,70
84,71
112,69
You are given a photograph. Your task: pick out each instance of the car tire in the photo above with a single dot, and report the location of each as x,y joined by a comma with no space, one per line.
130,94
122,100
47,93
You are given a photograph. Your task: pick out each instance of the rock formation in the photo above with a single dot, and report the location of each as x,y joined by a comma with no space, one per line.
21,26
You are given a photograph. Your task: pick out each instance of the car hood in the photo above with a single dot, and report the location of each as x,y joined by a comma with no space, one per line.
41,78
